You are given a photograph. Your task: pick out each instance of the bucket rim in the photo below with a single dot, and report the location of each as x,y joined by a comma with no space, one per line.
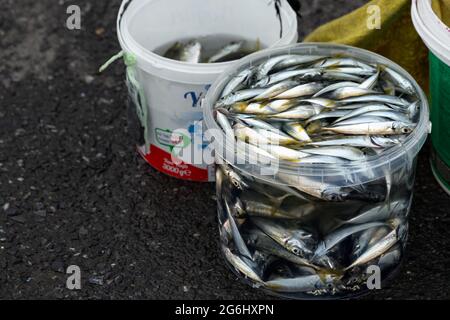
423,17
411,147
149,60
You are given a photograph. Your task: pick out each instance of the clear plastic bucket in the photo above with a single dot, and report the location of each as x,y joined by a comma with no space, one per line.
436,35
164,94
244,180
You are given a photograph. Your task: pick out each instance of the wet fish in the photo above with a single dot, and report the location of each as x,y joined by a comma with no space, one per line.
238,240
301,112
371,82
285,75
360,141
345,62
300,91
275,91
300,242
380,128
240,265
238,96
262,242
296,60
390,115
349,153
323,160
336,237
235,178
341,76
302,284
240,81
376,98
284,153
336,86
326,103
253,206
264,69
190,52
349,92
363,111
226,52
296,130
404,84
270,108
379,213
376,250
336,114
225,124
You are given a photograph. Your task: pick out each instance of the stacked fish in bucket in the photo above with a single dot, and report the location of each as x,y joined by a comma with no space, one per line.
303,237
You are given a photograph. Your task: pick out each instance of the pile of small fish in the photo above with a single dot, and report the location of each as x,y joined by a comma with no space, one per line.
303,236
193,51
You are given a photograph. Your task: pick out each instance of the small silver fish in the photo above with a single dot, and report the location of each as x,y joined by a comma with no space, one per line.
299,242
274,91
238,96
364,110
359,141
227,51
263,108
376,98
404,84
235,178
284,153
296,60
326,103
240,265
322,160
339,235
376,250
285,75
301,91
225,124
238,240
349,153
264,69
370,83
296,130
335,86
345,62
299,113
238,82
336,114
302,284
260,241
349,92
380,128
190,52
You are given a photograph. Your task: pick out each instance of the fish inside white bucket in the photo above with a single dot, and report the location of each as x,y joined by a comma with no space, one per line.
165,95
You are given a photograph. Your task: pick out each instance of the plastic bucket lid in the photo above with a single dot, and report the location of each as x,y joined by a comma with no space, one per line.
144,25
434,33
399,156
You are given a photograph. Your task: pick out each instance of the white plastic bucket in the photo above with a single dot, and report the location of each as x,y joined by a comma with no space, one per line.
167,93
436,36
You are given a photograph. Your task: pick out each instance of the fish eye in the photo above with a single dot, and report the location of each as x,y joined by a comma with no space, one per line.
296,251
406,130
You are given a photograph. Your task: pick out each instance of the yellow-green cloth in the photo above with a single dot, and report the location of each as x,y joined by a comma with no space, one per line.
397,39
442,9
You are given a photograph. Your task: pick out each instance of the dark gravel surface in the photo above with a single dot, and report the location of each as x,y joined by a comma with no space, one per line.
73,191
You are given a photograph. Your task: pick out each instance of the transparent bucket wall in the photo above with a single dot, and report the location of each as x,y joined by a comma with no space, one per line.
291,244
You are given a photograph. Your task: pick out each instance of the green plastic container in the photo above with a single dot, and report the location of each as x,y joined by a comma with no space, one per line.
436,36
440,117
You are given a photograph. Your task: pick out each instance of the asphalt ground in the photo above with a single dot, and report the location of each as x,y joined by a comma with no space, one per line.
74,192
